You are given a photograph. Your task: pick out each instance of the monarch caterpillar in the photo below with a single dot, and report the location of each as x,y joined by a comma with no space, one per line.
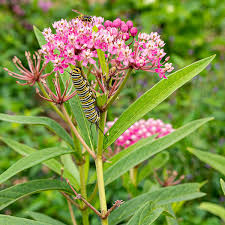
85,95
82,17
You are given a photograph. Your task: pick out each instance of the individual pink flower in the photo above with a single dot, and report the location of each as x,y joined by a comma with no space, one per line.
34,73
45,5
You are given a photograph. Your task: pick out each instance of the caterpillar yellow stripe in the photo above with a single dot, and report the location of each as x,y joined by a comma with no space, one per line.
85,95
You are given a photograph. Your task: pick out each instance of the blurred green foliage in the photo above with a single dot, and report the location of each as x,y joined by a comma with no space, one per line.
191,30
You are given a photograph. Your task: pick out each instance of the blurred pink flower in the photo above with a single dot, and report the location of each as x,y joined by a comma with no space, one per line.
45,5
141,129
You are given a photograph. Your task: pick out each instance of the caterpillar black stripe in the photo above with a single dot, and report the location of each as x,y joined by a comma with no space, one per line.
85,95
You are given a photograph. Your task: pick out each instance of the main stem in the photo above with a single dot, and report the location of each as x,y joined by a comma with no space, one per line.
84,194
99,168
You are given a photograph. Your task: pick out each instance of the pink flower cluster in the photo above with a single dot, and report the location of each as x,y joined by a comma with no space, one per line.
77,40
141,129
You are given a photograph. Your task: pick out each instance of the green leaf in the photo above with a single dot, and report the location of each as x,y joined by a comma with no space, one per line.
101,57
40,37
171,219
104,65
12,220
162,196
215,161
154,97
40,217
143,152
51,124
222,183
214,209
84,125
32,160
128,150
123,153
52,164
14,193
69,164
157,162
146,215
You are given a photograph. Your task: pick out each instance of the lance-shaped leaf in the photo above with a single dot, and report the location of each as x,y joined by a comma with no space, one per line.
14,193
44,218
171,220
32,160
40,37
145,151
129,150
146,215
154,97
214,209
101,57
52,164
162,196
104,65
49,123
69,165
215,161
12,220
222,183
123,154
153,164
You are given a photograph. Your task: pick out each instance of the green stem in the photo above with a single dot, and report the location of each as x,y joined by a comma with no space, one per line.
51,103
113,98
84,212
99,168
71,213
93,194
78,156
133,175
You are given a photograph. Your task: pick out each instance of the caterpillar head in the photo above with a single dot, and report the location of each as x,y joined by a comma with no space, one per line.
77,70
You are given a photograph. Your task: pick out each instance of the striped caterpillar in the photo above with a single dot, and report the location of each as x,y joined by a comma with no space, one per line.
85,95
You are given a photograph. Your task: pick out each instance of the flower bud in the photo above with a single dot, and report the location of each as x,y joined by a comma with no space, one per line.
129,24
100,27
108,23
133,31
117,22
124,28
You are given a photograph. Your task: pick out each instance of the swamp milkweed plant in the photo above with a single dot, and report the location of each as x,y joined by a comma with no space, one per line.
80,70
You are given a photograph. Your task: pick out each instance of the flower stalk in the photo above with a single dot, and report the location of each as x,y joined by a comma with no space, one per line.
99,168
71,213
113,98
54,107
